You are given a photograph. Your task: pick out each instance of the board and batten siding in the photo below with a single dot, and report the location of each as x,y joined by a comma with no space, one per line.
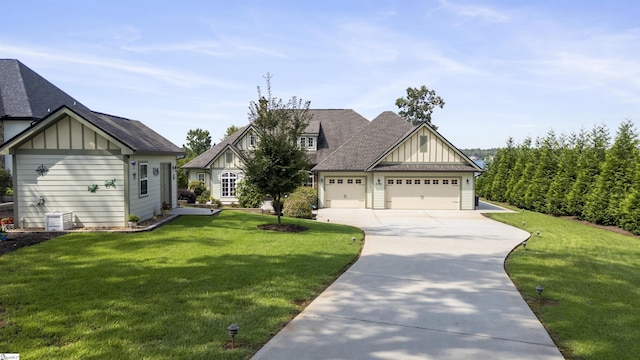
65,188
411,150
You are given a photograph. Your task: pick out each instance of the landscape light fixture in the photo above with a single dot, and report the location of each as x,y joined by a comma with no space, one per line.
539,290
353,239
524,244
233,331
538,233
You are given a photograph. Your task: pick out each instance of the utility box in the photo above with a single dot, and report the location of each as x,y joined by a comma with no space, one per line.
58,221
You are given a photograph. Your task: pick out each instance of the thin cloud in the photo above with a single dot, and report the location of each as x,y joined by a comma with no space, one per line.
177,78
225,48
483,13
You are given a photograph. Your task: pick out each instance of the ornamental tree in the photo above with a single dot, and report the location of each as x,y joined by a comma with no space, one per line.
276,166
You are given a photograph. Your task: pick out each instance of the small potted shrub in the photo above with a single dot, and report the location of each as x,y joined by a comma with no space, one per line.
133,220
165,208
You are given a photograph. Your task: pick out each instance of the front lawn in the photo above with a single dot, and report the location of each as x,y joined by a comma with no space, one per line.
166,294
591,280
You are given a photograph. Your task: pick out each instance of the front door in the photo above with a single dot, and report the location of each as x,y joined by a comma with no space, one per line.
165,183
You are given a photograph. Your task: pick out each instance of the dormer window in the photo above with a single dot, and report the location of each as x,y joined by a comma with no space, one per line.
307,143
252,140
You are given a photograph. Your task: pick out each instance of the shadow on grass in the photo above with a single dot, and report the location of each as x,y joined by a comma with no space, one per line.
170,293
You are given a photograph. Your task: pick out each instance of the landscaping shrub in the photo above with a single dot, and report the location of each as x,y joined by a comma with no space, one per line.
248,194
308,193
297,206
203,197
186,194
197,187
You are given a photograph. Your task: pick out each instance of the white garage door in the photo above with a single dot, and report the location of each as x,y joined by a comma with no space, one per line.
423,193
345,192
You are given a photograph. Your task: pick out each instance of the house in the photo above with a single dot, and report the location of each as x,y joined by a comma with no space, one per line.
68,158
383,164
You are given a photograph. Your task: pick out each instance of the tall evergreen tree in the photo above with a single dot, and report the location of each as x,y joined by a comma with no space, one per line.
630,207
588,168
615,179
568,154
536,194
515,194
503,171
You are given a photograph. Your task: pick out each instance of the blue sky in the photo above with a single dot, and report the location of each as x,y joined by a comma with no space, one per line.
504,68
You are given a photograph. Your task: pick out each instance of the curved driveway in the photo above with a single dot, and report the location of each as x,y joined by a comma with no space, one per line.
428,285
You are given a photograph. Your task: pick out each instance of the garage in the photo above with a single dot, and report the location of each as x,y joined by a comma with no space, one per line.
423,193
345,192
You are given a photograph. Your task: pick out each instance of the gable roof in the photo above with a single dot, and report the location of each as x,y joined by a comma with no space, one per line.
206,158
132,134
367,145
469,166
367,148
26,95
333,127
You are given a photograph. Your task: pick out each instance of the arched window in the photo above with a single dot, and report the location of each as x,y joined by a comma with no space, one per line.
229,184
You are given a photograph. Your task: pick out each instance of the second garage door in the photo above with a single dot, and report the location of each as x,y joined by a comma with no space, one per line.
423,193
345,192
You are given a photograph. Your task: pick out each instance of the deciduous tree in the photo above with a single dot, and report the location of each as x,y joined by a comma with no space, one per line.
275,166
418,106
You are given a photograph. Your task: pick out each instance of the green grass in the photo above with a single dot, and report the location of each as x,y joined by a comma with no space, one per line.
166,294
591,280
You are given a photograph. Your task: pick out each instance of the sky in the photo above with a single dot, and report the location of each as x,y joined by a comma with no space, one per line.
504,68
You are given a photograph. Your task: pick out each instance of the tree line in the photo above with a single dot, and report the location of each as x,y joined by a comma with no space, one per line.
582,174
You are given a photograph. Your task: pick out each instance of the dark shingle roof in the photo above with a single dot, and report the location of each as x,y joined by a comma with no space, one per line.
333,126
25,94
367,145
132,133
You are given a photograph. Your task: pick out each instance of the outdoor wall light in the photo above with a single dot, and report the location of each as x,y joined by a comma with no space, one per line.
134,176
379,182
467,181
233,331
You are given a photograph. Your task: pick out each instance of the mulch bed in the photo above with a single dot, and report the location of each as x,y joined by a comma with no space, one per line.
17,240
283,227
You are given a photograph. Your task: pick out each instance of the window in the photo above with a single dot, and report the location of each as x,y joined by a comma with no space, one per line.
349,181
303,142
424,143
417,182
252,140
229,157
408,182
389,181
309,180
229,184
310,142
454,181
200,176
332,181
399,182
358,181
143,179
435,182
427,182
339,181
445,182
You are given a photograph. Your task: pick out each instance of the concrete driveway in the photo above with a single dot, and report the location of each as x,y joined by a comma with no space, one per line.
428,285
